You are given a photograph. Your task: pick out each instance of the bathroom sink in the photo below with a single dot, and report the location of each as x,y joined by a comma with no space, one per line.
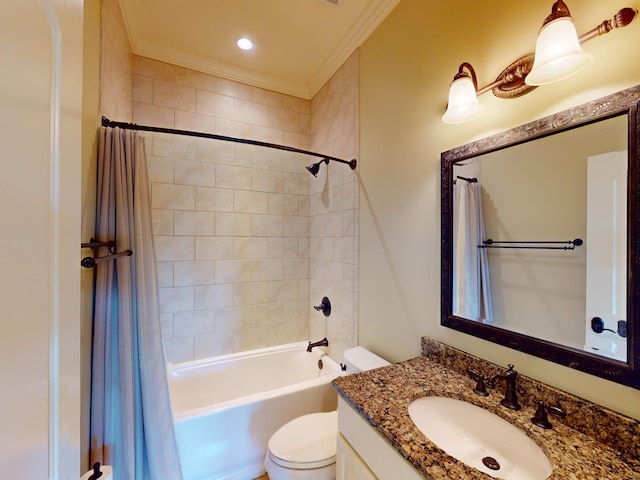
479,438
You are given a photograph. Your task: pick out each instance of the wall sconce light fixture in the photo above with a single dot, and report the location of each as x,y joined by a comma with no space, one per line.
558,55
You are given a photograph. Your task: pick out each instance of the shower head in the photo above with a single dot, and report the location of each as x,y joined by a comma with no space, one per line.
315,167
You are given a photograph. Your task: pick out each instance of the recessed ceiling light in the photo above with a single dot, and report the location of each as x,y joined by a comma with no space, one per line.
245,44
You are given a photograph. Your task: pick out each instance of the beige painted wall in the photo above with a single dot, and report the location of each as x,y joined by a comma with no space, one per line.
538,191
40,195
406,67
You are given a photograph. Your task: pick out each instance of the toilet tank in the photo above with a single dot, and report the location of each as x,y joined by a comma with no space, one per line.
358,359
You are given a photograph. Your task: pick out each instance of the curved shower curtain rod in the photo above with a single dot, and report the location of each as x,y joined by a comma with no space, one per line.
132,126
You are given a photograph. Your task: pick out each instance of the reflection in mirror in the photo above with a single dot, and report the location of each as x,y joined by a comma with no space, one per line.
530,201
541,238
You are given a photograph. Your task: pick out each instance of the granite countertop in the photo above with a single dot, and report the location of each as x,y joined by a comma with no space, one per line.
382,397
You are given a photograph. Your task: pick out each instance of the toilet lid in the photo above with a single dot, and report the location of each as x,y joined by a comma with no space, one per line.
306,442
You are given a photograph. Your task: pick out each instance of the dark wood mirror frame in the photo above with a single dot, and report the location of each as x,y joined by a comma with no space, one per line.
621,103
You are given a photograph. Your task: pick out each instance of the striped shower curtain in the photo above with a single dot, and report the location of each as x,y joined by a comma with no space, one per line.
131,421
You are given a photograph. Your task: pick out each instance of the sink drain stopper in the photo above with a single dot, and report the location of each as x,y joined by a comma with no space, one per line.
491,463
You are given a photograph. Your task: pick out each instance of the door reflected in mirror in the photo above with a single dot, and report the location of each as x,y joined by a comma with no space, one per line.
516,214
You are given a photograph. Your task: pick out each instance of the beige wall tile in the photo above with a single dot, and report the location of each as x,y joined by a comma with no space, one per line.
145,114
175,197
266,97
166,319
216,105
214,199
231,128
268,135
176,299
160,169
153,68
296,226
164,271
251,113
266,225
284,204
265,269
214,248
212,345
233,89
234,318
179,349
214,151
173,248
297,268
173,146
233,224
232,271
252,156
195,122
251,293
191,78
188,172
142,89
282,291
213,296
250,247
229,176
162,222
171,95
250,202
192,323
194,223
297,183
267,181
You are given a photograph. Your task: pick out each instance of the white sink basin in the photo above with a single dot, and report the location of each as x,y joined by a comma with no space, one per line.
470,434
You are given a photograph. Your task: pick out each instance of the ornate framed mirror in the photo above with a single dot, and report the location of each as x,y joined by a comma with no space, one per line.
541,238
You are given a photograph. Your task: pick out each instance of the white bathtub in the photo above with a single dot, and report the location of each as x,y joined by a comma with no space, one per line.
226,408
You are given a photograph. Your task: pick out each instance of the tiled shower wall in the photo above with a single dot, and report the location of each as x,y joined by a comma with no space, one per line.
231,233
334,210
242,232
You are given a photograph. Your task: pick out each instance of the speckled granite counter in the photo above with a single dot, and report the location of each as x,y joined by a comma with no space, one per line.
382,397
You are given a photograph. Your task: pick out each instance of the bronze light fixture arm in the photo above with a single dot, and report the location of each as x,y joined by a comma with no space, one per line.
510,83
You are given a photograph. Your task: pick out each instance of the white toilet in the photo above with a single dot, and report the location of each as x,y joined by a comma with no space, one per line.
305,447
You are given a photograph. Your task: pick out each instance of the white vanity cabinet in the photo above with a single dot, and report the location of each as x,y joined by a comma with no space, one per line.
363,454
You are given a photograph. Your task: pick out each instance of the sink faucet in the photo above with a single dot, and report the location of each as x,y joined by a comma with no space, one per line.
510,399
321,343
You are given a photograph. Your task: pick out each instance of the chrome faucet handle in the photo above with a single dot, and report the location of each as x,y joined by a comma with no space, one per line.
540,418
480,388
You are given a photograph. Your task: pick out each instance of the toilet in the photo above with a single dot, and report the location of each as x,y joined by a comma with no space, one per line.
305,447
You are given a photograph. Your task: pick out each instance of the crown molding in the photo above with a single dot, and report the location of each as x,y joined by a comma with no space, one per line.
366,23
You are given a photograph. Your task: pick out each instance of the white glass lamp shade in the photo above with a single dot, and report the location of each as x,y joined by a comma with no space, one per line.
558,53
463,102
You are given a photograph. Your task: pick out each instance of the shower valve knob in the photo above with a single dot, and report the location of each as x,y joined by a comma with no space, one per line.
324,307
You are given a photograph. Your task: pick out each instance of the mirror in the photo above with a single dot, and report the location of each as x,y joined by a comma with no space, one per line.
540,238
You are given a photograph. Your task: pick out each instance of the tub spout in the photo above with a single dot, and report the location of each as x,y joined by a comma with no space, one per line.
322,343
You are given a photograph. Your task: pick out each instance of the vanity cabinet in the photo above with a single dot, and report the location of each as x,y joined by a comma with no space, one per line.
363,454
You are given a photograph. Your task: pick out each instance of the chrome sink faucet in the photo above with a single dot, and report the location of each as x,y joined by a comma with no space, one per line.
510,399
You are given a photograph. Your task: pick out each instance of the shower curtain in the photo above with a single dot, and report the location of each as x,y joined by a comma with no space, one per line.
471,284
131,421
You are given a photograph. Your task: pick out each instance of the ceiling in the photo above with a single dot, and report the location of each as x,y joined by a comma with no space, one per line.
299,44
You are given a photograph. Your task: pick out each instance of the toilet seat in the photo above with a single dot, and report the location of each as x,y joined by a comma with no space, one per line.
306,442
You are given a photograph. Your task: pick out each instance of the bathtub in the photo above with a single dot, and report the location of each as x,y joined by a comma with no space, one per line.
226,408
